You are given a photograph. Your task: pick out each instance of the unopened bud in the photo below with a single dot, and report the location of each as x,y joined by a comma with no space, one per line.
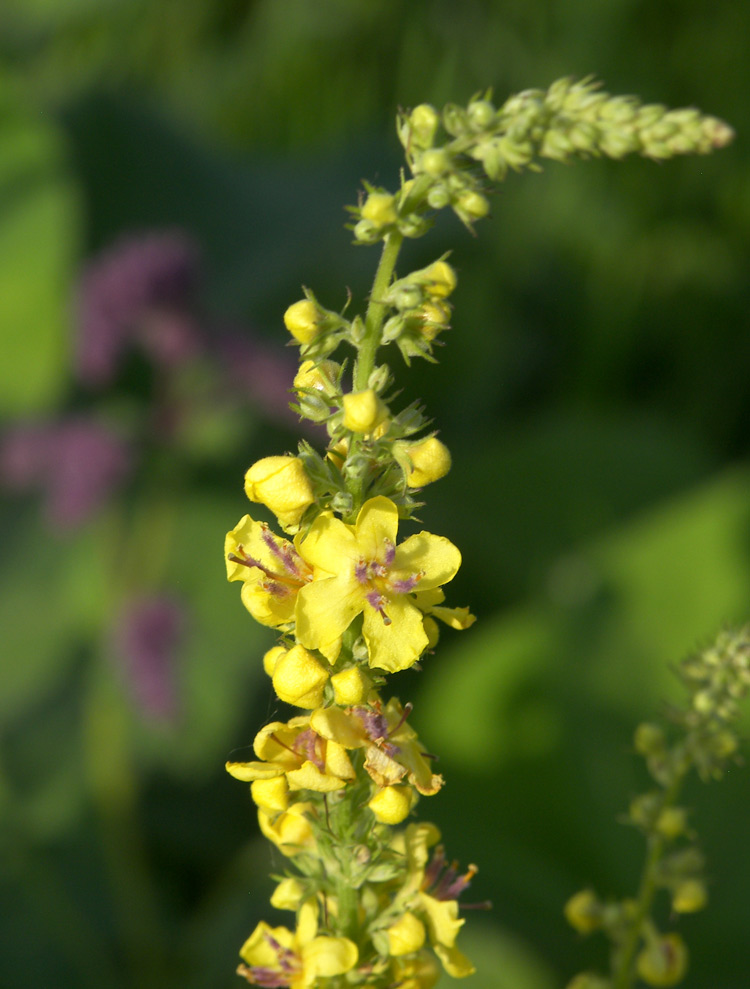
429,460
583,911
663,962
380,209
690,896
392,804
363,411
480,113
303,319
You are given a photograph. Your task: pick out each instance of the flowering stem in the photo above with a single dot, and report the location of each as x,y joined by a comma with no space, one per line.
623,967
376,311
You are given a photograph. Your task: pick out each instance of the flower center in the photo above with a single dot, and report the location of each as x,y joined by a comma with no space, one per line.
289,572
380,584
289,965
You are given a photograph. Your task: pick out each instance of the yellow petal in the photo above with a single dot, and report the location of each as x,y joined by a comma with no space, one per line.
337,762
351,686
442,917
454,962
248,771
325,610
399,645
338,725
309,777
377,522
328,544
406,935
258,950
435,557
326,956
271,795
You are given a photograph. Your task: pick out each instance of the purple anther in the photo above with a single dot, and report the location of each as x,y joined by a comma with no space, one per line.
390,553
361,572
405,585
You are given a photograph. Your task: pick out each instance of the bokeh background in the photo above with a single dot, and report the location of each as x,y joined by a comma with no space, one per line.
171,172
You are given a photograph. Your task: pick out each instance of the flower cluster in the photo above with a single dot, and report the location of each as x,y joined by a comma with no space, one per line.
377,904
704,740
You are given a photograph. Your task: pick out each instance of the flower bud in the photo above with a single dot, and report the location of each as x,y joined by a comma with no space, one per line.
288,894
472,205
583,911
438,197
367,232
434,317
481,113
363,411
663,962
391,804
319,375
271,658
406,935
380,209
587,980
281,484
303,320
440,279
351,686
689,896
649,739
291,831
429,461
299,678
272,796
435,162
423,123
671,822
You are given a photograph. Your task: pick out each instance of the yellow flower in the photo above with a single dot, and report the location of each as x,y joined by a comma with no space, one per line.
299,754
281,484
393,751
291,830
432,890
359,569
270,568
276,956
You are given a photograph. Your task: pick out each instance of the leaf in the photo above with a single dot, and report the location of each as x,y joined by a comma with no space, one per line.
39,219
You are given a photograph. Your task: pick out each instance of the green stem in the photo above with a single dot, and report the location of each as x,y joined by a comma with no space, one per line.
622,974
376,311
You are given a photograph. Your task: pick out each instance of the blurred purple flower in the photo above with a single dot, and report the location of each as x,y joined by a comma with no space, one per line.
258,373
76,463
140,291
148,635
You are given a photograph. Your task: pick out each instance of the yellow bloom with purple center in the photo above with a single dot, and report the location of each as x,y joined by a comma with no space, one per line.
359,569
393,751
271,571
296,752
276,956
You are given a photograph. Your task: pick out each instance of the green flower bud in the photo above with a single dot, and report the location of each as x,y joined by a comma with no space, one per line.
471,206
671,822
380,209
435,162
423,124
690,896
367,232
663,962
649,739
583,911
438,197
481,113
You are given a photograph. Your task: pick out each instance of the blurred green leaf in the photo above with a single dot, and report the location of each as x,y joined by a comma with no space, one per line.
502,960
616,613
39,217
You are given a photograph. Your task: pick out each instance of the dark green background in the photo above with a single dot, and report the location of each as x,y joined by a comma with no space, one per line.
594,392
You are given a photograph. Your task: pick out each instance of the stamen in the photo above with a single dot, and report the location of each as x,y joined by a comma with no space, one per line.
390,553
